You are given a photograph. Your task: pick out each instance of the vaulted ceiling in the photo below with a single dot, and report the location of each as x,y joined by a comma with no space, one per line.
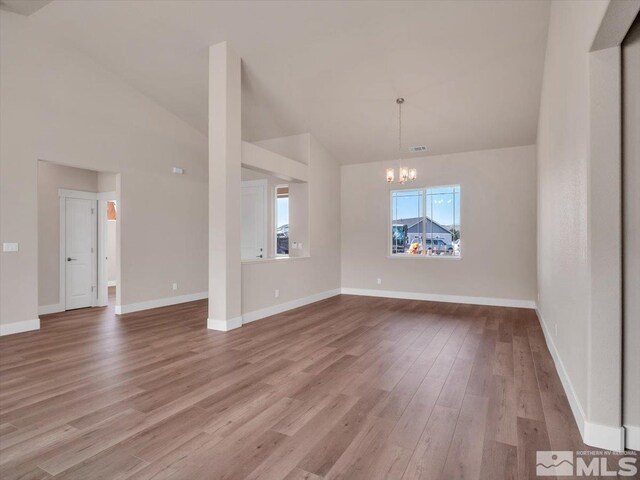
470,71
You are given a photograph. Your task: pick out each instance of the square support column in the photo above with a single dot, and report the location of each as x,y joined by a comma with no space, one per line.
225,156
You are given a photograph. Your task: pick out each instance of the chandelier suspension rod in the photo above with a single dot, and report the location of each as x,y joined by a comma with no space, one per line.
405,174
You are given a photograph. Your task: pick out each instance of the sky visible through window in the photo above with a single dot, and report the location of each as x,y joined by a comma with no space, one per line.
440,200
283,211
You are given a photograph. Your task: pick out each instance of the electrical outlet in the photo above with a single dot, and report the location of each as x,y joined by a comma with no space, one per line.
174,286
276,294
379,281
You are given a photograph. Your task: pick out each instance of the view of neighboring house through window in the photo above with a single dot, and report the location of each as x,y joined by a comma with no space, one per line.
282,220
426,221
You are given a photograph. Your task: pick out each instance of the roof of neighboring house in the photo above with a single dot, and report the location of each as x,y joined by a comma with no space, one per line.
414,225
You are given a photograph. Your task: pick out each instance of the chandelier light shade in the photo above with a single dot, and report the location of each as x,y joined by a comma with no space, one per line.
390,175
405,174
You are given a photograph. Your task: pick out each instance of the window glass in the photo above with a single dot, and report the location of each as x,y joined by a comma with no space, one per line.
282,220
426,221
406,214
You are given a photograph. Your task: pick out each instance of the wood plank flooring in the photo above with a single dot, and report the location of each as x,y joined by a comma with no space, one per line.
347,388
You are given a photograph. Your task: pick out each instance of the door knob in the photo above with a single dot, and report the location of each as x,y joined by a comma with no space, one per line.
259,256
69,259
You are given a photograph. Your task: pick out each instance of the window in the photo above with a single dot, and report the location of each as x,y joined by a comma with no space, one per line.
426,221
111,210
282,220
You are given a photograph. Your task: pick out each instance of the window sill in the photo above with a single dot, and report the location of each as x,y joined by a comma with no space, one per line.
274,259
430,257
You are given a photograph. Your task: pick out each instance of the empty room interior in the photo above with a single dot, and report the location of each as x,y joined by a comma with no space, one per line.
278,239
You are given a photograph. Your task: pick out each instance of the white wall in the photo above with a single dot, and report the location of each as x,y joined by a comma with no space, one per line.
563,271
579,215
299,278
498,227
60,106
631,239
106,182
299,219
52,177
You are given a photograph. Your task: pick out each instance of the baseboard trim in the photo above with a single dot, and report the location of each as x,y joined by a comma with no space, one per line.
283,307
19,327
160,302
606,437
497,302
593,434
48,309
224,325
576,408
111,283
632,434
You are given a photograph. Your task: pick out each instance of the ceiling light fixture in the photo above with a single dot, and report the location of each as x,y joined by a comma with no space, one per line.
405,174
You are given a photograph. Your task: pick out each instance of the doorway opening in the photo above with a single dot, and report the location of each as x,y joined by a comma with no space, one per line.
78,253
274,217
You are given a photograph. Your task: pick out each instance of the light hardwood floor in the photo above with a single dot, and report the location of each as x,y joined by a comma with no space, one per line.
350,387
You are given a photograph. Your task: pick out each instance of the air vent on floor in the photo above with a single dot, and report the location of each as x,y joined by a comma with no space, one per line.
417,148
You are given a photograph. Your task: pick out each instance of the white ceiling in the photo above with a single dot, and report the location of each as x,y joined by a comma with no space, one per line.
470,71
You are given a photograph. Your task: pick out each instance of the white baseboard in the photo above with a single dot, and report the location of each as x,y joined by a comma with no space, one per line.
576,408
19,327
283,307
497,302
632,440
47,309
160,302
607,437
111,283
224,325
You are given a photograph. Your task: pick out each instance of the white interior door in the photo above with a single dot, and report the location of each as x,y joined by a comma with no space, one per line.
80,253
254,220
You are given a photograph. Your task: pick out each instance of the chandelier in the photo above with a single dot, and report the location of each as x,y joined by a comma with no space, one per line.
405,174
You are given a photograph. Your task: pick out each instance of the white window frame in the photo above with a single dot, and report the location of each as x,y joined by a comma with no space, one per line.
390,253
275,220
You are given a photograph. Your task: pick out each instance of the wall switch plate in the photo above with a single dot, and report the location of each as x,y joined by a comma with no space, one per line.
10,246
174,286
379,281
276,294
